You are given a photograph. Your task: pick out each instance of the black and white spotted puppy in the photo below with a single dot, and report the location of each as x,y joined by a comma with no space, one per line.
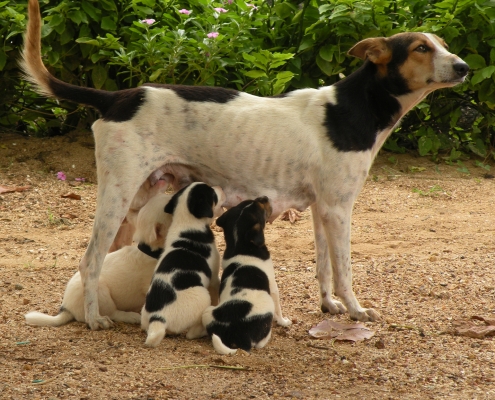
189,265
249,297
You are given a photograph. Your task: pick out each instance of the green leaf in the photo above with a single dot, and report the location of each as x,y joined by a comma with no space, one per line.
326,52
99,75
482,74
155,75
89,9
108,24
88,40
425,144
475,61
3,59
255,74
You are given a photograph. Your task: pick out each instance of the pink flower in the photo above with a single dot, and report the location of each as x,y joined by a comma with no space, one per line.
184,11
61,176
220,10
212,35
230,1
252,5
80,179
148,21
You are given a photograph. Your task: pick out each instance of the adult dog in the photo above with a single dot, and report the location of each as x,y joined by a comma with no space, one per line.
310,147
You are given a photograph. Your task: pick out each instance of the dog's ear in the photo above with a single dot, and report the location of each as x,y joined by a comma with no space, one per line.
200,201
376,50
221,220
256,235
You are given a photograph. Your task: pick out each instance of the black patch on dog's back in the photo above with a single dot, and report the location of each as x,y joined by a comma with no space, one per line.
200,248
250,277
229,270
159,295
185,280
183,260
200,93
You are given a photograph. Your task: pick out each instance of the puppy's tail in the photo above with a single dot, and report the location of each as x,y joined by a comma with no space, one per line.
156,331
39,319
220,347
45,83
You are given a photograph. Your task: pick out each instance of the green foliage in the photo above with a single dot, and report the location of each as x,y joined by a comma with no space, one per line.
264,48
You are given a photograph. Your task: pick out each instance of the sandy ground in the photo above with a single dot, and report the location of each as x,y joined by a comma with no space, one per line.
423,254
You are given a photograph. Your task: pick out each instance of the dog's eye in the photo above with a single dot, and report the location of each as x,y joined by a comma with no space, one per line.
421,48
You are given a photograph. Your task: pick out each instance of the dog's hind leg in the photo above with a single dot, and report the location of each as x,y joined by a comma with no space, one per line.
323,268
336,222
128,317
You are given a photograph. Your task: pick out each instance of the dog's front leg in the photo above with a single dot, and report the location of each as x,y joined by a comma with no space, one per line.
324,272
336,222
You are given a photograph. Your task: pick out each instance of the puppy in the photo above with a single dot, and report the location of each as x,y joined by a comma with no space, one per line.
125,276
249,298
178,294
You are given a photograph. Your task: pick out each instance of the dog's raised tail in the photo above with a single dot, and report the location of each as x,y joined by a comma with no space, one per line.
45,83
220,347
39,319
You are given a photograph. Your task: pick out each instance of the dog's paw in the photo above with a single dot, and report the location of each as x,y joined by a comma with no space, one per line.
100,322
196,332
153,340
284,321
332,306
365,315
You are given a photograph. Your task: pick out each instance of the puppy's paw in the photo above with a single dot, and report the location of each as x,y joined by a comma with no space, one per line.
284,321
329,305
365,315
196,332
100,322
153,340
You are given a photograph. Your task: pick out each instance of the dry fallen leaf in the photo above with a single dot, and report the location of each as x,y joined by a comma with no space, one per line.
471,329
71,196
68,215
290,215
336,330
5,189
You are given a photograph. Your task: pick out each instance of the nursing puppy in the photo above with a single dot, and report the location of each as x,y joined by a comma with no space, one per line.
249,298
125,276
178,294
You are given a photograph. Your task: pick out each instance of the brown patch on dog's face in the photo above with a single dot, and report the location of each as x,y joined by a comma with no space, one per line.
429,65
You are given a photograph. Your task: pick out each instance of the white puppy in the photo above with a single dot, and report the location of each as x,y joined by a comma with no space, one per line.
178,294
249,297
125,276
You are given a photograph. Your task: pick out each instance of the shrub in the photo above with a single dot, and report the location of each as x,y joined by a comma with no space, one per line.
265,48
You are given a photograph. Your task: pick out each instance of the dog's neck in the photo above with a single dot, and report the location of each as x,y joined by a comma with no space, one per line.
369,106
233,249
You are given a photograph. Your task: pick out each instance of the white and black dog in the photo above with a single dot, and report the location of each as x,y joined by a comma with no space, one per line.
249,297
309,147
187,271
125,276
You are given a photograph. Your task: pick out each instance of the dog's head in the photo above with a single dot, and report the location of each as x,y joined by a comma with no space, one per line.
152,223
197,199
414,60
243,225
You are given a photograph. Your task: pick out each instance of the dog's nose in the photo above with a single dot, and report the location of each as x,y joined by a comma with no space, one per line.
461,69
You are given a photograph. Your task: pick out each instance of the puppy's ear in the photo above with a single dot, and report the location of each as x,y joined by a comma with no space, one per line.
256,235
200,201
172,204
221,220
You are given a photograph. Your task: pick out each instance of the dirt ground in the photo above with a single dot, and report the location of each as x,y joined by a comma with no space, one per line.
423,254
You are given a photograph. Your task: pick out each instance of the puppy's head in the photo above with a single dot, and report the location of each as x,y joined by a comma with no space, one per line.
243,225
197,199
152,223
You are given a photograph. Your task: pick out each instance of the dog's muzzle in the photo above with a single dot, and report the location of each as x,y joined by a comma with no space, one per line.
461,69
